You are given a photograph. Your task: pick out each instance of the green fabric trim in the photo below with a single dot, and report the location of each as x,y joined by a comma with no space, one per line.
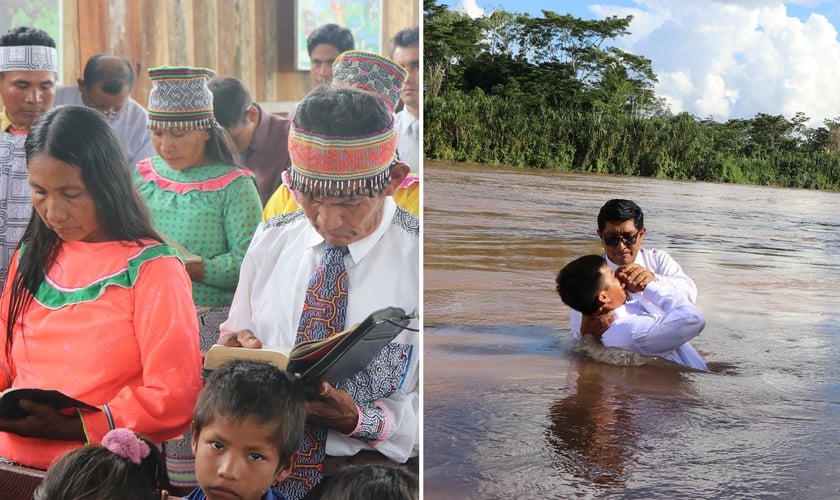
52,298
84,429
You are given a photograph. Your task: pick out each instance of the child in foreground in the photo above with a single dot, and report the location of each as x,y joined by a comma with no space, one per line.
247,425
363,482
124,466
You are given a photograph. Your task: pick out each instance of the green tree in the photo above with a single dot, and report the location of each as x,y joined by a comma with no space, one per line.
451,40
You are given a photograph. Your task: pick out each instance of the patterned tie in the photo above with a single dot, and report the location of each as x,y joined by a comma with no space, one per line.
324,312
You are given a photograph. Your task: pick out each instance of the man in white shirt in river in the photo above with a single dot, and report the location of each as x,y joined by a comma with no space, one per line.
658,322
621,228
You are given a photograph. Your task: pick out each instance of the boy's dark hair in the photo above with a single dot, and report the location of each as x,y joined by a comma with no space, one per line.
408,37
580,282
112,78
331,34
231,101
382,482
25,35
95,472
619,211
242,389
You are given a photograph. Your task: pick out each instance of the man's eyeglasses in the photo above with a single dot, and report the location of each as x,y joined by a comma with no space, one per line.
613,239
108,111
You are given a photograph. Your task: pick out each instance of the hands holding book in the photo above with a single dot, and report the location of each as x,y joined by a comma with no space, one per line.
45,422
242,338
325,405
333,408
320,364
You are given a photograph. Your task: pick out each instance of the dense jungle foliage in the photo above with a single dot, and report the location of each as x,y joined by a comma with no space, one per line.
551,92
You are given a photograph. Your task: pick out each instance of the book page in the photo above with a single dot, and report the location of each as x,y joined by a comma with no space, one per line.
219,355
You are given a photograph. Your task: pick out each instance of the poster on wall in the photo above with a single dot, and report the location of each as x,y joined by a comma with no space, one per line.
42,14
362,17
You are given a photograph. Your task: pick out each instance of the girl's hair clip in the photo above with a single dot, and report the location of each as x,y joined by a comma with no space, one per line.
126,444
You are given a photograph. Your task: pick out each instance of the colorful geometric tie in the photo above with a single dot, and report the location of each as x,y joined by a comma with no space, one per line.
324,312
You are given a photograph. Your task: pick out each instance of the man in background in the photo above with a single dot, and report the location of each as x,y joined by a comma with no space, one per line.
261,138
106,87
28,72
324,45
406,51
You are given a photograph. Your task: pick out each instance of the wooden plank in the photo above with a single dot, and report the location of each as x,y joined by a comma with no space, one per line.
153,40
134,49
181,37
117,27
205,26
248,67
250,39
265,62
70,67
93,34
396,16
228,61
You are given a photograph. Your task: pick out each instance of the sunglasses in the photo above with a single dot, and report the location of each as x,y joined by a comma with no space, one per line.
613,240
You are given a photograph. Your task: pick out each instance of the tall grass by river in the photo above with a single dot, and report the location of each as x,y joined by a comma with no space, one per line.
475,127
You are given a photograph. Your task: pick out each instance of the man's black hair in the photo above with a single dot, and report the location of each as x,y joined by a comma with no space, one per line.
331,34
25,35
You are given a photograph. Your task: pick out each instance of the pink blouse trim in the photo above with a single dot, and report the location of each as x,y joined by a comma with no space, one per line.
148,173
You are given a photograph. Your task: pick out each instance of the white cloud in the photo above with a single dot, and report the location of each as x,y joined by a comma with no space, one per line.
470,8
736,58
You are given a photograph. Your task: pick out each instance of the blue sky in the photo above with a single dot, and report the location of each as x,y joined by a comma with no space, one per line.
722,58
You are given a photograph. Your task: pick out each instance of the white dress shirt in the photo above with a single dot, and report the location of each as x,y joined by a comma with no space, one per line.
658,323
383,270
408,138
667,272
130,125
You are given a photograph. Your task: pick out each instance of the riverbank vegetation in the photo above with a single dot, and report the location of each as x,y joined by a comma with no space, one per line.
550,92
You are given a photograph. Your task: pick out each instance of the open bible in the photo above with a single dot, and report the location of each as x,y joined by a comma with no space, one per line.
334,358
9,399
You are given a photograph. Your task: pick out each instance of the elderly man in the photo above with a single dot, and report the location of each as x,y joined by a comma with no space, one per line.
406,51
106,87
261,138
28,72
351,247
621,227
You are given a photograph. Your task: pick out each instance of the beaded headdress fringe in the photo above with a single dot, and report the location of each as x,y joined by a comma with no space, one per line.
341,166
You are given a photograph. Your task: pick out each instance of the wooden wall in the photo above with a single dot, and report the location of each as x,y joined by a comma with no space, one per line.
252,40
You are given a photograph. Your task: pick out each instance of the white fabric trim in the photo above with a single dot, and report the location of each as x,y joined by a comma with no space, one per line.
28,58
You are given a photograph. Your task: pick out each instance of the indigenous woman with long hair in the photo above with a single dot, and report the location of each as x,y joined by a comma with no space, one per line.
95,306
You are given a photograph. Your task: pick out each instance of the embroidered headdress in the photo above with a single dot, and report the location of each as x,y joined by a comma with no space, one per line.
371,72
327,159
180,98
28,58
